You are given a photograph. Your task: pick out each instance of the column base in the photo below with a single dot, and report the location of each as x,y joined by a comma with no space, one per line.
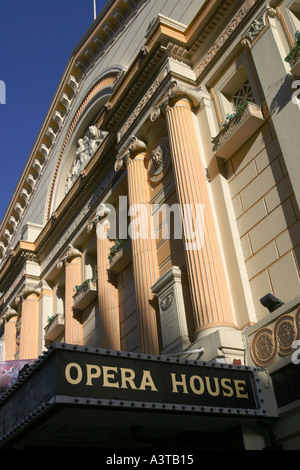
222,343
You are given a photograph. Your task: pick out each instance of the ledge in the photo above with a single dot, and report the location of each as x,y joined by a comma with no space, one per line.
55,327
295,70
239,129
120,257
85,294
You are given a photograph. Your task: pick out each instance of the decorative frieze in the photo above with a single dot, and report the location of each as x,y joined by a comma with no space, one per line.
226,35
142,104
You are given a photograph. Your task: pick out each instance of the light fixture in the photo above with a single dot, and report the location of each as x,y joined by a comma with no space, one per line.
271,302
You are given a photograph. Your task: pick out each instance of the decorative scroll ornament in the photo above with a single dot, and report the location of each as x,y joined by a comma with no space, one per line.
258,25
9,313
87,147
101,212
178,91
136,146
71,254
267,343
28,290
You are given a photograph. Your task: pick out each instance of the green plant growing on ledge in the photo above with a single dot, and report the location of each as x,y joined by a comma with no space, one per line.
229,118
295,52
84,285
50,319
115,248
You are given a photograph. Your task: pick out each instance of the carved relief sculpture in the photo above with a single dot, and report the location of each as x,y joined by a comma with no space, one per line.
158,162
87,147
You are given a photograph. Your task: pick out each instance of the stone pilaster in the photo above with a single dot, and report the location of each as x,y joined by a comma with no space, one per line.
10,345
108,296
209,290
144,256
29,335
73,326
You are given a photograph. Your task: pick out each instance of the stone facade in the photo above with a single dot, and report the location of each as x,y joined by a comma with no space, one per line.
182,110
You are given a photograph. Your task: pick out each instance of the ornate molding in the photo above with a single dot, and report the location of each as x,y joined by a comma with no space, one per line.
225,36
258,26
144,101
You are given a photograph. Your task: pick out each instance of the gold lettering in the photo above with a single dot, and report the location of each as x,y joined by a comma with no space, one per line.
197,391
227,387
90,375
127,376
217,388
147,381
239,388
68,374
107,375
181,383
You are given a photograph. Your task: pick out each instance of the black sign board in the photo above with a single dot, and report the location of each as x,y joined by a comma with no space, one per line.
129,380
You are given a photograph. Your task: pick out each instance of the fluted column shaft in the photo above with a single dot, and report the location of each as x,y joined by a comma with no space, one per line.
209,292
29,335
144,256
10,346
107,294
73,326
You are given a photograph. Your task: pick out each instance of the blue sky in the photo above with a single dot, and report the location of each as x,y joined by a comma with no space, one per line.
37,38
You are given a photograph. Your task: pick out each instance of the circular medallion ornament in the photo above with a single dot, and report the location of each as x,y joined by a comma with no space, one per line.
263,349
285,334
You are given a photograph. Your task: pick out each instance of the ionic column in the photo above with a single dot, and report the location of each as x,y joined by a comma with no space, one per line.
209,291
10,344
108,296
29,335
144,256
73,326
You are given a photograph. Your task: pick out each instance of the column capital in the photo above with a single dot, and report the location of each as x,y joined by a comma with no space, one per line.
102,211
70,255
26,291
178,91
136,147
9,313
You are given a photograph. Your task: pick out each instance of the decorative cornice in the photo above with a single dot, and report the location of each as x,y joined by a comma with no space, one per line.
226,35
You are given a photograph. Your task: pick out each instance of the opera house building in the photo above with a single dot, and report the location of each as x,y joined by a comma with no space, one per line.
150,253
